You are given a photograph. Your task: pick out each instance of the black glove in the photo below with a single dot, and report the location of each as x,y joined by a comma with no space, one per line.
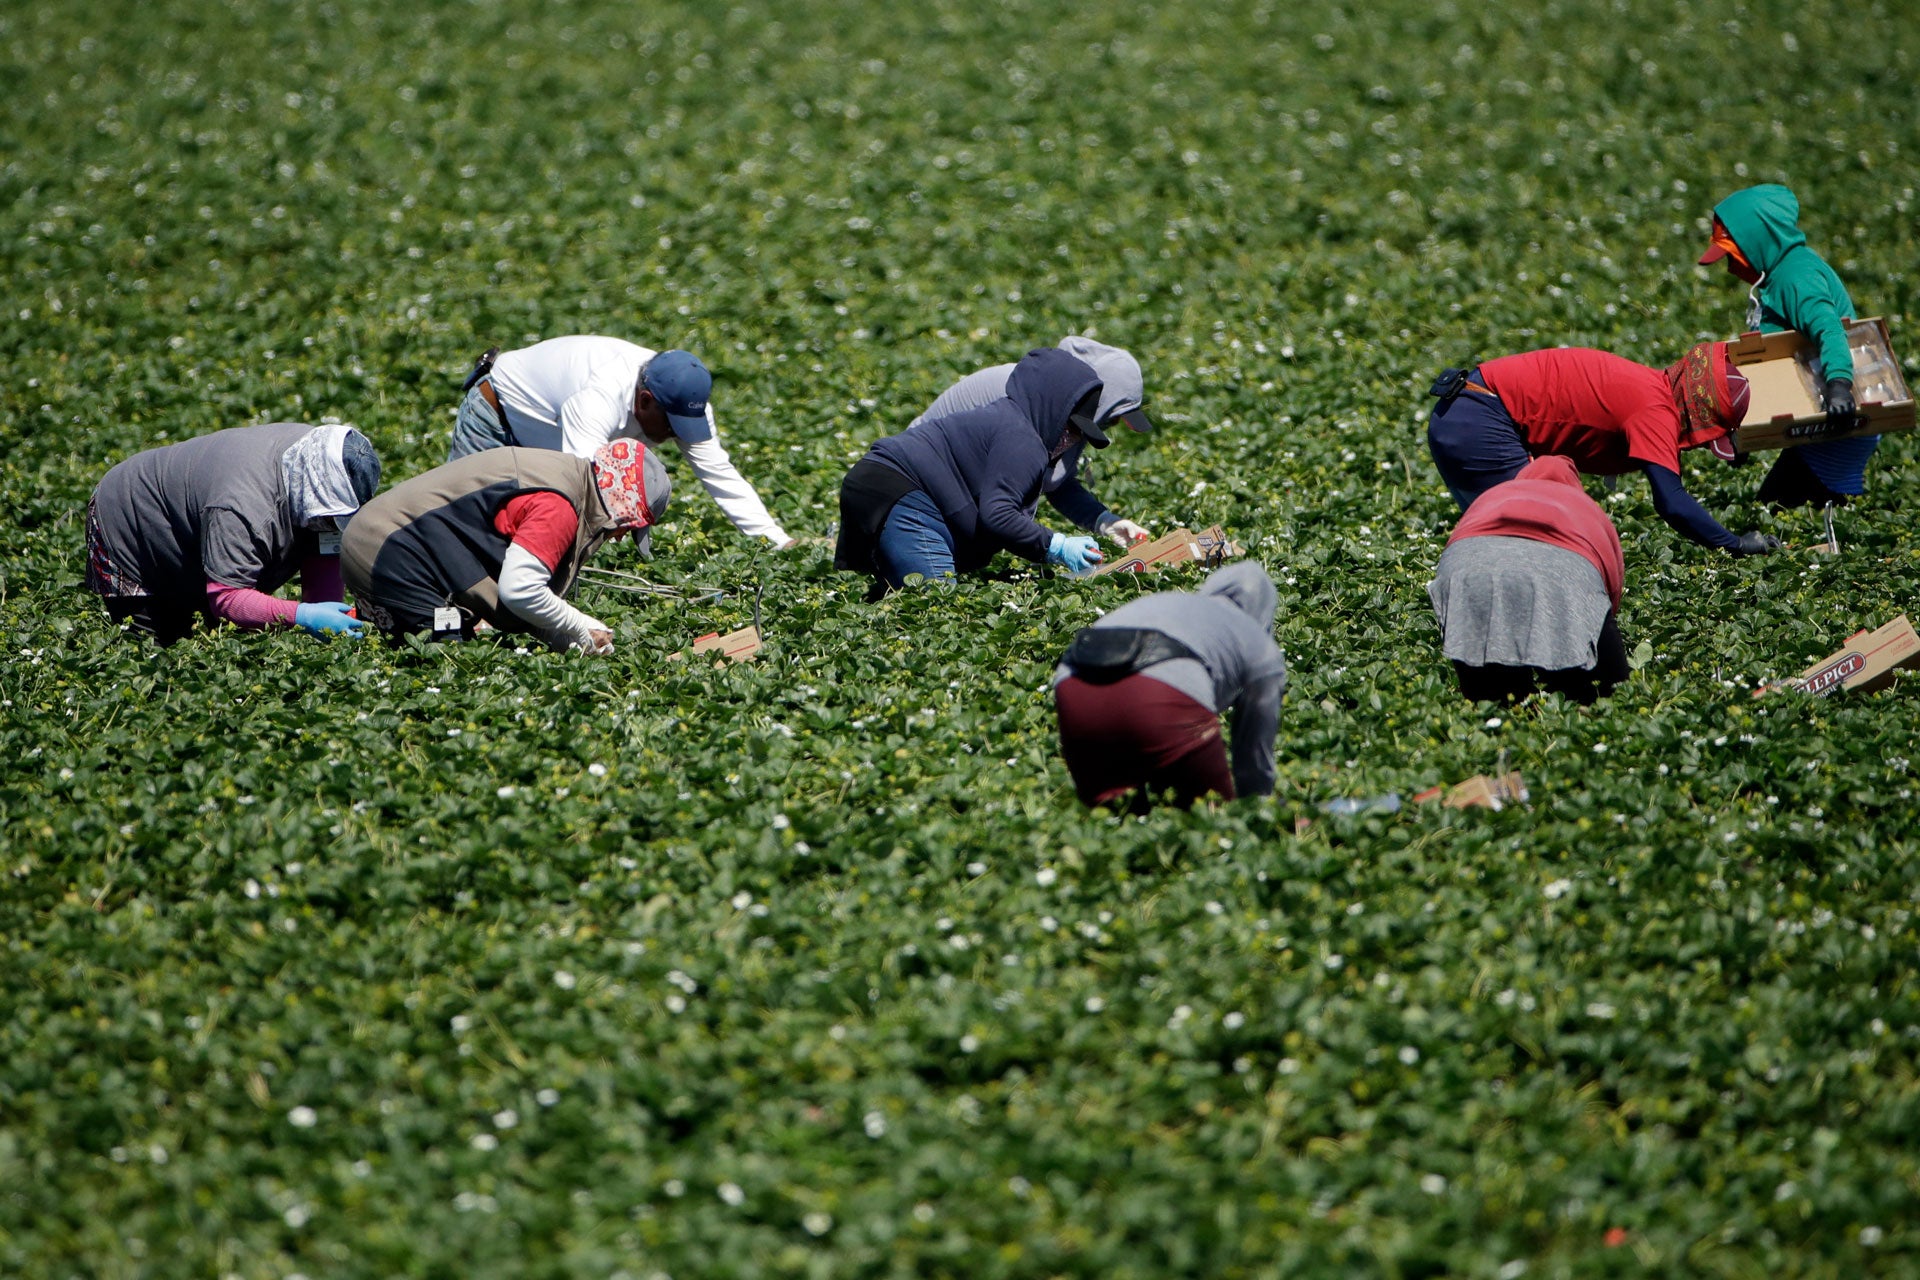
1755,543
1839,398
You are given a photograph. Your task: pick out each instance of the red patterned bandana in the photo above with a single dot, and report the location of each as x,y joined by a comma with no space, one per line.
1710,393
620,471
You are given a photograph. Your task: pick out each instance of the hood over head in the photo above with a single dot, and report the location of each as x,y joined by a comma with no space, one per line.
1048,386
329,472
1122,388
633,486
1764,222
1711,394
1247,587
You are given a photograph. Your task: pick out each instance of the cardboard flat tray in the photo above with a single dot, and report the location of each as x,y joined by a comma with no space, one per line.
1865,663
735,646
1479,792
1209,546
1783,372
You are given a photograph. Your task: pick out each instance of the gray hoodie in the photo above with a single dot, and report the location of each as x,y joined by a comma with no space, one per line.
1121,388
1228,623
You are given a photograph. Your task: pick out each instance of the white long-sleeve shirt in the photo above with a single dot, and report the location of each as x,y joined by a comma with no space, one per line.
575,394
526,588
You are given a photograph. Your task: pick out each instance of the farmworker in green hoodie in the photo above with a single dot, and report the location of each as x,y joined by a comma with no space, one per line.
1140,693
215,525
1757,232
498,537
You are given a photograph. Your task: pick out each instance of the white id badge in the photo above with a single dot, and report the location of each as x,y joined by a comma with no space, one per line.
446,619
330,544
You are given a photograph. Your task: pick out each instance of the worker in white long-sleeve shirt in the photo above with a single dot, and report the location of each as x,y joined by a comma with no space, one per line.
577,393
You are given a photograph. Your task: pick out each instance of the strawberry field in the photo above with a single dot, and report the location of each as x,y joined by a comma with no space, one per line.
461,961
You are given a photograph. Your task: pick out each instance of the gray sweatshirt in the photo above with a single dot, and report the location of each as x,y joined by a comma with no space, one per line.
1228,623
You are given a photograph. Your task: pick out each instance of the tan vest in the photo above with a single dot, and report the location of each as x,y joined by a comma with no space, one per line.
441,517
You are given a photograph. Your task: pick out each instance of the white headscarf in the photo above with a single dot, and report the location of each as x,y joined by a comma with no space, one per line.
316,472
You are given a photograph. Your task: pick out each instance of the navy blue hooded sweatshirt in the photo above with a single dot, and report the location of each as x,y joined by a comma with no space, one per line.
983,467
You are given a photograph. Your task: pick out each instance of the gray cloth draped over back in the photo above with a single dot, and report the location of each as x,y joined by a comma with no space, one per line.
1518,603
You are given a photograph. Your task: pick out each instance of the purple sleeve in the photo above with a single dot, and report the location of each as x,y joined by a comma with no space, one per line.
320,579
245,607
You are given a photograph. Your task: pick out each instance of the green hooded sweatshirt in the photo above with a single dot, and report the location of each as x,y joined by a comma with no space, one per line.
1797,289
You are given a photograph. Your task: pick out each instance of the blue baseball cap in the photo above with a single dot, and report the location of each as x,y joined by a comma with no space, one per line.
681,384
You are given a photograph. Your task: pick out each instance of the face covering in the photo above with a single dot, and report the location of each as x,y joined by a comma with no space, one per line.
633,486
323,482
1710,393
1721,245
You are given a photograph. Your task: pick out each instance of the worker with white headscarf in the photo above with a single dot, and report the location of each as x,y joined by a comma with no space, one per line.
215,525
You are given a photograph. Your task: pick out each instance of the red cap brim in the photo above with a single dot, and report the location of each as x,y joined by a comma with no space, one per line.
1713,254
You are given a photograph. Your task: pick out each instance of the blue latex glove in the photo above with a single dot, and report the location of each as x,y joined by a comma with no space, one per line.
329,617
1077,554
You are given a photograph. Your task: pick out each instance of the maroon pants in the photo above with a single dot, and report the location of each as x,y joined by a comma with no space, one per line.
1139,734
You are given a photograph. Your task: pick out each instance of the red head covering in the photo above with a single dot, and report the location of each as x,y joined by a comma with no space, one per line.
1546,503
633,485
1711,394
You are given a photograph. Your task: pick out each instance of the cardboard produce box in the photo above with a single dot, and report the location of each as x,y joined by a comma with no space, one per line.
1480,792
1209,546
735,646
1784,374
1865,663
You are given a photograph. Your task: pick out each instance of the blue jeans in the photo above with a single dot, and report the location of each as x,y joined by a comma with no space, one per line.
477,428
915,539
1475,444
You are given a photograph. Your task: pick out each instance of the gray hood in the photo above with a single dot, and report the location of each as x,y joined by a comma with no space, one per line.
1121,386
1248,587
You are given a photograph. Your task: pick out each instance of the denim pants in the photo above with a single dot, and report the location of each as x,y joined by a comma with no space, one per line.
477,428
914,539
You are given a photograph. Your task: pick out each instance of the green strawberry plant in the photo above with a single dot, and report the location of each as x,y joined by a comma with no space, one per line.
341,959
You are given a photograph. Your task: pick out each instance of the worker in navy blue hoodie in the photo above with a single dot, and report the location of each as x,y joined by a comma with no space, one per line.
951,492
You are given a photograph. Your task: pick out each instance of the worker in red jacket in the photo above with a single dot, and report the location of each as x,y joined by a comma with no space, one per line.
1528,590
1605,413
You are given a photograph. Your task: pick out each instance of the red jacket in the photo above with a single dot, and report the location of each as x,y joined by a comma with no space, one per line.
1546,503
